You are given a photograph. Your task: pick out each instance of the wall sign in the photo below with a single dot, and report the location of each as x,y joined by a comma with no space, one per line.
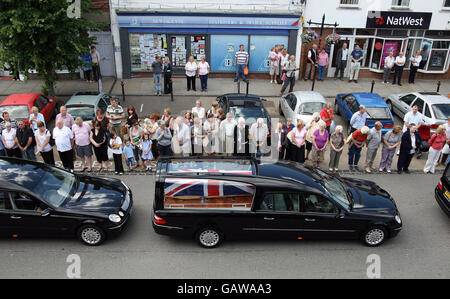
398,20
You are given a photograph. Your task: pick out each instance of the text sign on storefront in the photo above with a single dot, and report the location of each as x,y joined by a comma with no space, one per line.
177,21
398,20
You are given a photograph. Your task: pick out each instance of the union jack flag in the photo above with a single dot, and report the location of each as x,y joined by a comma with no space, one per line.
207,188
244,172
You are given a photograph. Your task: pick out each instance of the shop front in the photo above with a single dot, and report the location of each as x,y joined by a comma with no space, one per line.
215,37
397,31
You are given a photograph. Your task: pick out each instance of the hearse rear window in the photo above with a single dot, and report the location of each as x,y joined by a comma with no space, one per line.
204,194
244,167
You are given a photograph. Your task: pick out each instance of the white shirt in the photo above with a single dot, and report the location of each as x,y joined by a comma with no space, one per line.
227,127
259,133
63,139
344,54
389,61
183,133
413,143
447,130
118,141
9,137
191,68
200,112
400,61
284,60
416,60
42,139
412,118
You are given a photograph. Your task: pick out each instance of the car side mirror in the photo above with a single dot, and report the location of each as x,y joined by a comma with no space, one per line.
45,212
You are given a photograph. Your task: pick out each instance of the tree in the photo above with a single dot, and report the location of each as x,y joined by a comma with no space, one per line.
45,36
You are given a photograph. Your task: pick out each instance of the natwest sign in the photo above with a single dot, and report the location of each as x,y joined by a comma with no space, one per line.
398,20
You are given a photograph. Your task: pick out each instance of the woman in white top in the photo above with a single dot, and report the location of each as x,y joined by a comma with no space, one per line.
211,129
199,111
400,61
191,72
284,59
42,137
203,71
415,63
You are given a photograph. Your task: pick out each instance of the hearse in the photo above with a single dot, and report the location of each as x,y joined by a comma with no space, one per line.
211,199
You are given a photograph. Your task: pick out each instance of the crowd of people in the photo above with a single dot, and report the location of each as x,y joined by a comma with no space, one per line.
120,135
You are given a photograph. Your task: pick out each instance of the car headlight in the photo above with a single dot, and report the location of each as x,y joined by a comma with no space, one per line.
114,218
121,214
398,219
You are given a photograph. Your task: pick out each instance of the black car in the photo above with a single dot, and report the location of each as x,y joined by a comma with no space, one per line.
210,199
37,199
442,191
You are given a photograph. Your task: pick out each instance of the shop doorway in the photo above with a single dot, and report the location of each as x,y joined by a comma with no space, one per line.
333,53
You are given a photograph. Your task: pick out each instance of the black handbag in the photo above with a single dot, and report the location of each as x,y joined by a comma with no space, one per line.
424,146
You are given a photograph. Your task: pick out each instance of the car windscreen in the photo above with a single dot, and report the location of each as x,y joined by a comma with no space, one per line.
212,166
310,108
378,113
334,186
50,183
441,111
17,112
86,112
247,113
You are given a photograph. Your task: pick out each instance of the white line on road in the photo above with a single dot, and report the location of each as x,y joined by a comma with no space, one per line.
142,106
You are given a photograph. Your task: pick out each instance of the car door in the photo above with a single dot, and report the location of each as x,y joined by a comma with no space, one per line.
277,216
322,218
47,108
291,102
404,105
6,222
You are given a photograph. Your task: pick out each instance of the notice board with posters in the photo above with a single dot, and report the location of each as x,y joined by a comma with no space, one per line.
198,47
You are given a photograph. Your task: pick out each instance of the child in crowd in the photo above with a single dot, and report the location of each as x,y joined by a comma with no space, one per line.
116,147
129,155
147,151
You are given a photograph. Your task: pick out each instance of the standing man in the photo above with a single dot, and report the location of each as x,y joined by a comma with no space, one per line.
356,57
227,133
241,142
389,62
358,119
157,67
25,141
6,119
341,61
258,133
311,63
374,141
290,75
114,113
416,59
67,119
412,117
327,115
95,56
183,136
400,61
240,61
64,143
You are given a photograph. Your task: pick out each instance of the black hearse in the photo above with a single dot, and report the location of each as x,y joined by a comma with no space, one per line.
442,191
213,198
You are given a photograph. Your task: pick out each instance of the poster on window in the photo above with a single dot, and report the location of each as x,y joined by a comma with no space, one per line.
144,48
178,51
389,47
198,46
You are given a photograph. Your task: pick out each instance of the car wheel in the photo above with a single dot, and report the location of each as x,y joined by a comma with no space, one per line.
336,108
209,237
374,236
91,235
389,103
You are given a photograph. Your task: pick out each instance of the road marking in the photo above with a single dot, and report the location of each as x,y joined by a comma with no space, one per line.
142,106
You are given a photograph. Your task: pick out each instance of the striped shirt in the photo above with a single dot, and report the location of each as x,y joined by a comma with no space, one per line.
241,57
117,111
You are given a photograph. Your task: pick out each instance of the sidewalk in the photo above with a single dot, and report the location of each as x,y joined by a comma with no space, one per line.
219,86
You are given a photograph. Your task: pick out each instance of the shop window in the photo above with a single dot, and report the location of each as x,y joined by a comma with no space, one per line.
198,47
144,48
370,32
447,3
349,2
400,3
377,52
344,31
437,60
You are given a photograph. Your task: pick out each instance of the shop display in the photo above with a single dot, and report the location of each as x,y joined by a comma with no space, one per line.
144,48
179,51
198,47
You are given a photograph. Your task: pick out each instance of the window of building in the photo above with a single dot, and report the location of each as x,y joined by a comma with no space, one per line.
447,3
344,31
144,48
349,2
400,3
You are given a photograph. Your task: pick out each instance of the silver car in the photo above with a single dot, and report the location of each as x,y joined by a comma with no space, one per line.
435,108
301,105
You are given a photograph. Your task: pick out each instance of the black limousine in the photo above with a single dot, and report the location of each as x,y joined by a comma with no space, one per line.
37,199
211,199
442,191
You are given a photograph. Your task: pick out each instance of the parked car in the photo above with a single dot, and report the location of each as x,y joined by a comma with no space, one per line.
347,104
37,199
84,104
211,199
19,106
248,106
301,105
442,191
435,109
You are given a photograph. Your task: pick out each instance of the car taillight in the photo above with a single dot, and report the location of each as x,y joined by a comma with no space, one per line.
440,185
158,219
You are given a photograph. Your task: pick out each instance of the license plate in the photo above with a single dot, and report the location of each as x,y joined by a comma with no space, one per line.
447,194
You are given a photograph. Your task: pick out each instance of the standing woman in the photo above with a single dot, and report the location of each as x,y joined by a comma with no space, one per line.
298,139
400,61
320,142
152,127
337,141
415,64
99,141
191,71
42,137
168,119
310,129
35,116
87,66
100,117
131,115
214,110
197,137
411,141
203,71
436,142
164,138
391,140
323,63
136,134
167,75
211,127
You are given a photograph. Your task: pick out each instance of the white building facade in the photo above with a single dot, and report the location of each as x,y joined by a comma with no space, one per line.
380,26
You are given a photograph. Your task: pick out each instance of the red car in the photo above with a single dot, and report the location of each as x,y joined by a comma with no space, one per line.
19,106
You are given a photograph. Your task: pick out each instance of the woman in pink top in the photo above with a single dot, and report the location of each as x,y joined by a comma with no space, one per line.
203,71
298,138
323,63
436,143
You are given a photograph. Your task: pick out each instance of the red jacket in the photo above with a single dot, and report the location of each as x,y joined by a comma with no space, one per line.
437,142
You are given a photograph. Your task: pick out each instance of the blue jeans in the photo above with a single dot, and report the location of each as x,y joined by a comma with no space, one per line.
204,81
157,81
322,72
354,153
29,154
240,70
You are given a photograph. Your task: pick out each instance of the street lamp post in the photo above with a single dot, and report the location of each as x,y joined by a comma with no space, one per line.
322,25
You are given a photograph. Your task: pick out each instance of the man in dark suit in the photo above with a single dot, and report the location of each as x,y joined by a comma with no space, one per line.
341,61
241,141
411,142
279,143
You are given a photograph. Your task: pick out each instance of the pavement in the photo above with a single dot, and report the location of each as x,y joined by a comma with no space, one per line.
421,250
